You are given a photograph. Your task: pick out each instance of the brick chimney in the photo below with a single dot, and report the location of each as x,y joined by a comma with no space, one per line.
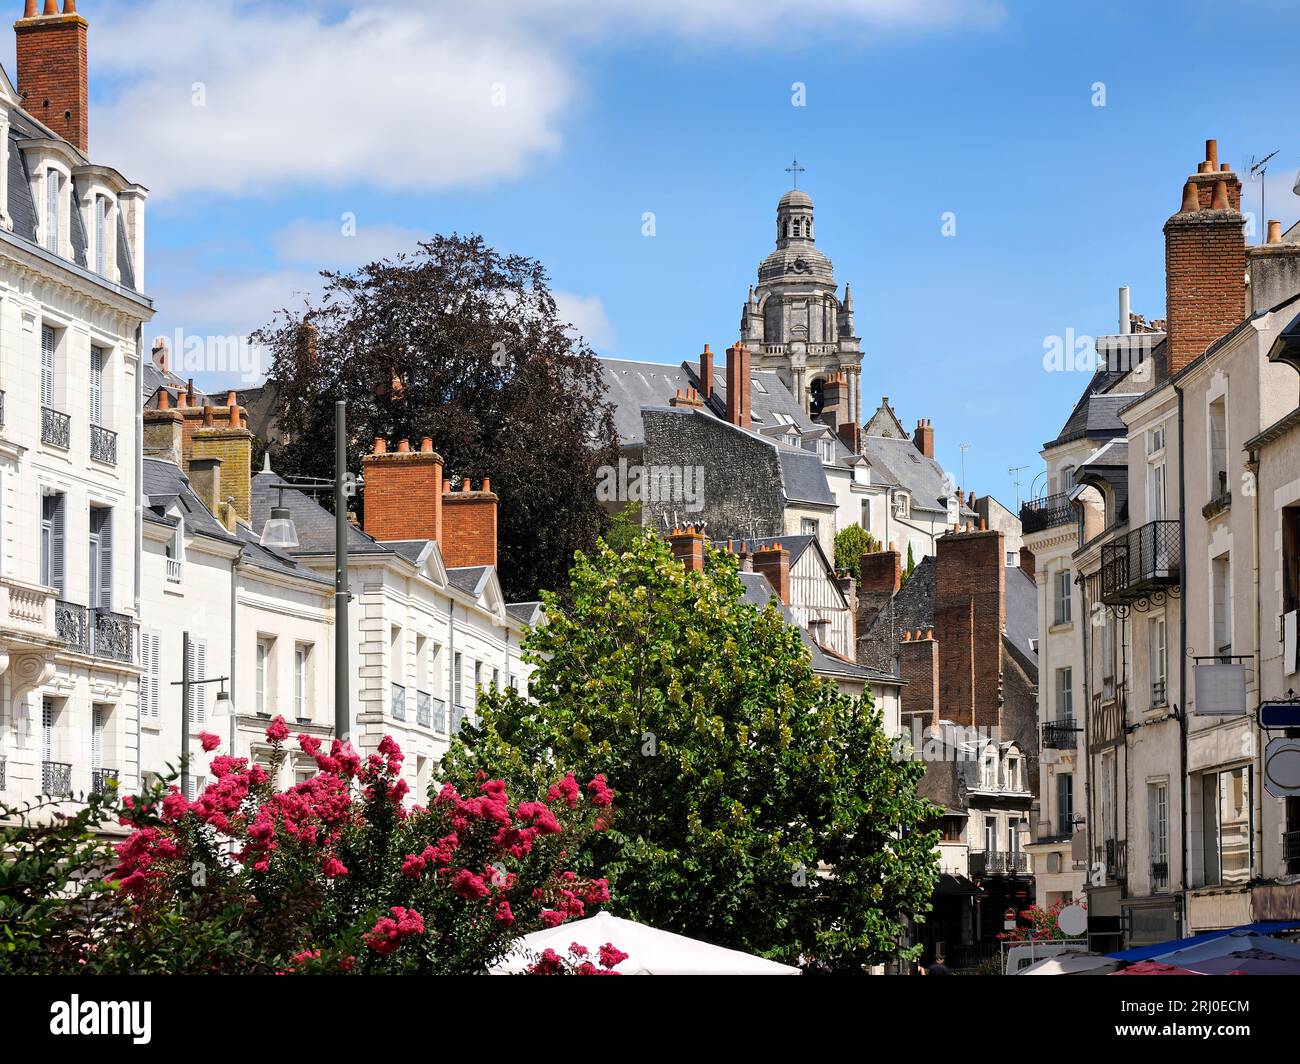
223,434
688,547
403,492
1027,563
835,400
918,666
53,69
774,563
850,434
706,374
881,577
161,359
469,525
969,617
1205,261
205,479
163,432
738,394
923,437
849,589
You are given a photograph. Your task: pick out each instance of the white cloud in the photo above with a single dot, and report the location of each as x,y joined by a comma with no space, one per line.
326,245
396,96
587,316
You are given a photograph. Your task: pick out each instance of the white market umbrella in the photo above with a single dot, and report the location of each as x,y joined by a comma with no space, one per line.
1073,964
649,950
1233,942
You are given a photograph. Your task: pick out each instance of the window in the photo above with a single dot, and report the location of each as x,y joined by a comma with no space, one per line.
1156,440
1013,559
989,769
151,675
1013,774
98,715
808,526
1107,655
457,680
301,661
1065,803
1291,558
1108,798
1222,580
396,661
496,679
1156,491
198,707
101,558
827,451
49,346
478,681
1158,833
265,675
52,538
865,521
900,506
1218,428
53,203
1157,660
1225,810
1063,597
990,834
175,552
421,663
1065,695
97,386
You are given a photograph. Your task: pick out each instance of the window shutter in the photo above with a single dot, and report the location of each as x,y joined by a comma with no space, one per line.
146,672
47,730
198,670
155,672
101,233
52,187
47,366
56,543
105,517
97,386
97,737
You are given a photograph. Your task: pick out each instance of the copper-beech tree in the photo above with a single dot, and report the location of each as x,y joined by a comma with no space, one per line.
464,344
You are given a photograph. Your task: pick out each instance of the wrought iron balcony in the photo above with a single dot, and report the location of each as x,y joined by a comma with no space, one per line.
70,623
1159,875
112,636
103,445
56,428
1112,855
56,779
999,863
1291,851
103,780
1142,564
1060,734
1051,511
399,702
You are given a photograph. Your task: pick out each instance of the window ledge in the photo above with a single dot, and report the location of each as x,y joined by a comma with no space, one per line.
1217,506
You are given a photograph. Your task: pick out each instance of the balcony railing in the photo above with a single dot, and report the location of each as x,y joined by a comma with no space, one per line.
71,625
999,863
112,636
1159,875
1291,851
56,779
103,445
1145,561
1051,511
56,428
423,709
439,723
1060,734
26,608
173,570
1159,693
102,780
1113,856
399,702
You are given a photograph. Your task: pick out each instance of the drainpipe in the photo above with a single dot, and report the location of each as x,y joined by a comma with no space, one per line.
1086,625
1257,767
138,459
1185,785
234,643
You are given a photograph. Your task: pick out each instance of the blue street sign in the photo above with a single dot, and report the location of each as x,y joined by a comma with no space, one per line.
1279,715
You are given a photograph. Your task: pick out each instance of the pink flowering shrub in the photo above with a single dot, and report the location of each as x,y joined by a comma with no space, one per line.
338,874
577,961
1043,923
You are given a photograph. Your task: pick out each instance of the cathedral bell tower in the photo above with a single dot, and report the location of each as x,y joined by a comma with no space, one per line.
796,325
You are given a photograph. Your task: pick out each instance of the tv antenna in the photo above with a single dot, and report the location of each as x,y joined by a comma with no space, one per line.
963,447
1014,473
1258,168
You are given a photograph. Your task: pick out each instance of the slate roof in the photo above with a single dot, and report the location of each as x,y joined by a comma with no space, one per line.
803,478
470,579
758,592
164,483
1022,612
314,523
410,549
922,478
794,545
1096,413
525,612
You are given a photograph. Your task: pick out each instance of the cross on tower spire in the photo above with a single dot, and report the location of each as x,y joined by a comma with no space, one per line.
794,170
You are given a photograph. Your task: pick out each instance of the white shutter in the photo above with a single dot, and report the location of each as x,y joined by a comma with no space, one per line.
97,737
53,185
101,234
47,366
198,670
47,730
155,672
97,386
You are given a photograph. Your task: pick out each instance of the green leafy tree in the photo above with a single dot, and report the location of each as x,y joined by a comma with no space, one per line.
756,806
911,564
851,543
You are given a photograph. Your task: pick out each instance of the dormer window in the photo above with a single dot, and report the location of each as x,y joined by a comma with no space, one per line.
53,210
901,506
828,451
101,235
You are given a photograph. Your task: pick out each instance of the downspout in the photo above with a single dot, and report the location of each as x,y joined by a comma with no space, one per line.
1087,729
1252,466
234,643
1182,664
138,553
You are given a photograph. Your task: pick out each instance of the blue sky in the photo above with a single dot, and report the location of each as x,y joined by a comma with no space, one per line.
258,129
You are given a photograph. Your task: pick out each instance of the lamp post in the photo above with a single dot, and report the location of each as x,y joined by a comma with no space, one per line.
280,533
185,683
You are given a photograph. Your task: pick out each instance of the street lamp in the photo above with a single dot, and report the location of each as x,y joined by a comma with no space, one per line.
280,533
185,683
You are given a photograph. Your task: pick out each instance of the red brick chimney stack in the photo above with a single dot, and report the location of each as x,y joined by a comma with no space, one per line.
706,374
688,547
403,492
969,618
924,437
469,524
53,69
1205,261
774,563
738,397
